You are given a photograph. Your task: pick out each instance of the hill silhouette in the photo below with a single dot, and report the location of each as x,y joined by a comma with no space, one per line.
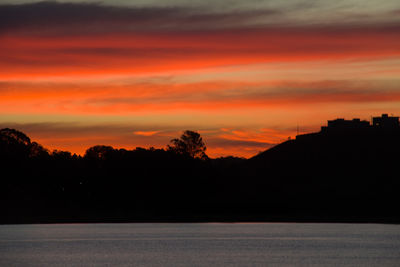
347,172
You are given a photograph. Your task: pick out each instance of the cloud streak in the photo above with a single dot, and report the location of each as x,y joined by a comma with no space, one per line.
84,18
89,17
49,57
157,98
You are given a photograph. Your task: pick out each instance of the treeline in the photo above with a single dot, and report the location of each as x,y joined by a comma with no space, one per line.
107,183
320,178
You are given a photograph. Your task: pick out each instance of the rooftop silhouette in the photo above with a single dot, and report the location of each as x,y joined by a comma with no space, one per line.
383,124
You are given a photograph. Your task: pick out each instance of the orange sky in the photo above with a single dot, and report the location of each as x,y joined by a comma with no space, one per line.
130,74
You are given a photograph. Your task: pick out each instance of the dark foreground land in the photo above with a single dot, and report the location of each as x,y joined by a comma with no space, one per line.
336,175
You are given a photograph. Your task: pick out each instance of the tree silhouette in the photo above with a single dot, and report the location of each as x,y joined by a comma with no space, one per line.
99,152
37,150
62,155
12,136
14,143
190,143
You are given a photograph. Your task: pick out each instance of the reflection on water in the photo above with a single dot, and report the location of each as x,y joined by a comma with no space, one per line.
203,244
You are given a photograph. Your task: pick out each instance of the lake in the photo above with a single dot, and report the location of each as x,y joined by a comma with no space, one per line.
200,244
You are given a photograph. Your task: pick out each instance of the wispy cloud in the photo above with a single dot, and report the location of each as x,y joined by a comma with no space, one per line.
145,133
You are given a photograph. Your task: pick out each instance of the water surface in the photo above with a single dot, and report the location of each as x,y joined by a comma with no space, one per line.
203,244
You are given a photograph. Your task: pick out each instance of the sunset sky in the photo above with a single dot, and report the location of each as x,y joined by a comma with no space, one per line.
245,74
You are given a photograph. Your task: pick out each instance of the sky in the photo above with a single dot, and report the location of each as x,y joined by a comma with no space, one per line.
245,74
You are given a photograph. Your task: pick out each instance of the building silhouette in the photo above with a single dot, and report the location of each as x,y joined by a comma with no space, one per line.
383,122
386,122
340,126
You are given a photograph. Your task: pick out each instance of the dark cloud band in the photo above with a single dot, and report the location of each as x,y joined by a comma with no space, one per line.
83,17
